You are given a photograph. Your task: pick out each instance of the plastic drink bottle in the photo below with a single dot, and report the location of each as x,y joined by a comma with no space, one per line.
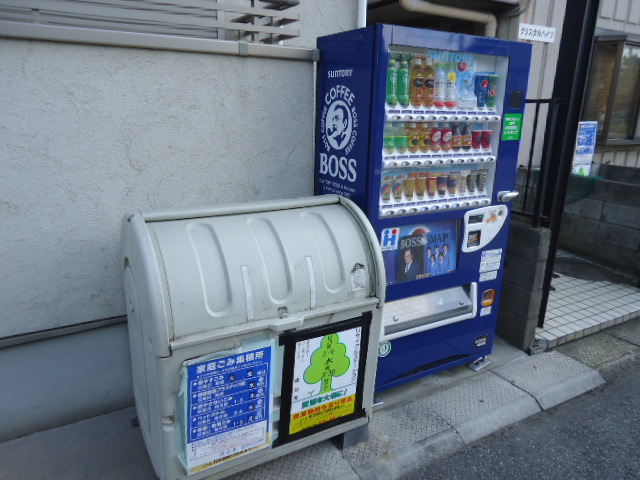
466,85
456,138
389,141
425,138
429,84
492,90
481,89
403,83
447,135
450,91
392,83
436,138
439,86
416,86
466,137
413,138
400,137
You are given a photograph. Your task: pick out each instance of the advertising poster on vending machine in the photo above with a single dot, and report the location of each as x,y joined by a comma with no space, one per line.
412,252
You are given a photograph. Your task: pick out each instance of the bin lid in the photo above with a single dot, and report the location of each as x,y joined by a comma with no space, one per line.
219,271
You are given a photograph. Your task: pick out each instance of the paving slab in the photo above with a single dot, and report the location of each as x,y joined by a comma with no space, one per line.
417,424
317,462
100,448
628,331
551,378
415,456
598,350
482,406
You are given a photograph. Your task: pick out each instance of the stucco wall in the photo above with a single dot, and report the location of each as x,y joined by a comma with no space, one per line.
89,132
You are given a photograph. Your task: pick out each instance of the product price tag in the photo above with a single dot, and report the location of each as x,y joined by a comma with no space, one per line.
537,33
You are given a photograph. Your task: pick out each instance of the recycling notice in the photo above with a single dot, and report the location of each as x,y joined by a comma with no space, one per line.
228,408
325,378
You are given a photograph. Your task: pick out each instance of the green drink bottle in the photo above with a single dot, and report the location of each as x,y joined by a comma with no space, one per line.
403,83
392,83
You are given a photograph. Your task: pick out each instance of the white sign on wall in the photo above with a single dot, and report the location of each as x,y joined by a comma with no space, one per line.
536,33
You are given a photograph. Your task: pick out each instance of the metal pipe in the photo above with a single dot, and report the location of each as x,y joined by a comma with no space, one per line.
362,13
422,6
51,333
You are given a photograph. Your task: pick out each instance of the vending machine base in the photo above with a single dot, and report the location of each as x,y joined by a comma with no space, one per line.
433,332
480,364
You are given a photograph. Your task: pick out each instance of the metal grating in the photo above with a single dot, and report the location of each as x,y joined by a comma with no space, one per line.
260,21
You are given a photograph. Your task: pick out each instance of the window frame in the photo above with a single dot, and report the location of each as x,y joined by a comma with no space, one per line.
620,41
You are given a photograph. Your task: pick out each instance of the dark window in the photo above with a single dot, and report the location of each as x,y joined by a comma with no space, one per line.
613,91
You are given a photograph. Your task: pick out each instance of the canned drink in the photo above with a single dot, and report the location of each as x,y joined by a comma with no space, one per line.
492,90
421,184
452,183
481,180
463,183
442,184
432,186
385,189
471,181
409,185
481,89
476,139
485,139
396,189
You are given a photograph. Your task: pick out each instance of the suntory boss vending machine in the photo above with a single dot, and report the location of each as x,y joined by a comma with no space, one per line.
421,129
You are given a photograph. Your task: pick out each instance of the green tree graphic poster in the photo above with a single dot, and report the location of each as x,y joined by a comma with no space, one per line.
325,378
329,361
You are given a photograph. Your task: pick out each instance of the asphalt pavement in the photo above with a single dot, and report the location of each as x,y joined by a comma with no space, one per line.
593,437
414,426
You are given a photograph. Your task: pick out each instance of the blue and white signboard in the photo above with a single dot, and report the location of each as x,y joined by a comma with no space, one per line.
227,407
585,148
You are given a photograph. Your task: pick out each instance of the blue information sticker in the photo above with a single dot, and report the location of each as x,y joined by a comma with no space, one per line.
228,407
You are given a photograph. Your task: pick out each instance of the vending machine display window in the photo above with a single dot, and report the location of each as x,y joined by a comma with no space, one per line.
441,132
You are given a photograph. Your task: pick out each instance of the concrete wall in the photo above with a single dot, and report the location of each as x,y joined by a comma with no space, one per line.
521,294
58,381
601,221
90,132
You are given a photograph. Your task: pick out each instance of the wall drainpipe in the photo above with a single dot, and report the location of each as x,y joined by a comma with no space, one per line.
362,13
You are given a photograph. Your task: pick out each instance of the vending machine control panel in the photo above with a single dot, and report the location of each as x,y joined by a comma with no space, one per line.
482,225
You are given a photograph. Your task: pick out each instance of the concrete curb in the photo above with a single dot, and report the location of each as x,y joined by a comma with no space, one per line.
407,460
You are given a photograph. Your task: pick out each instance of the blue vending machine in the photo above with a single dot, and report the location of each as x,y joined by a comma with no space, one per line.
421,129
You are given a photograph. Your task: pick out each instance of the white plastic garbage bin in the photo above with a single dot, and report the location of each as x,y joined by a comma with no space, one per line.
253,328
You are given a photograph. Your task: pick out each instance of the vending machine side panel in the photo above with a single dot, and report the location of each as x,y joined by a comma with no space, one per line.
344,86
